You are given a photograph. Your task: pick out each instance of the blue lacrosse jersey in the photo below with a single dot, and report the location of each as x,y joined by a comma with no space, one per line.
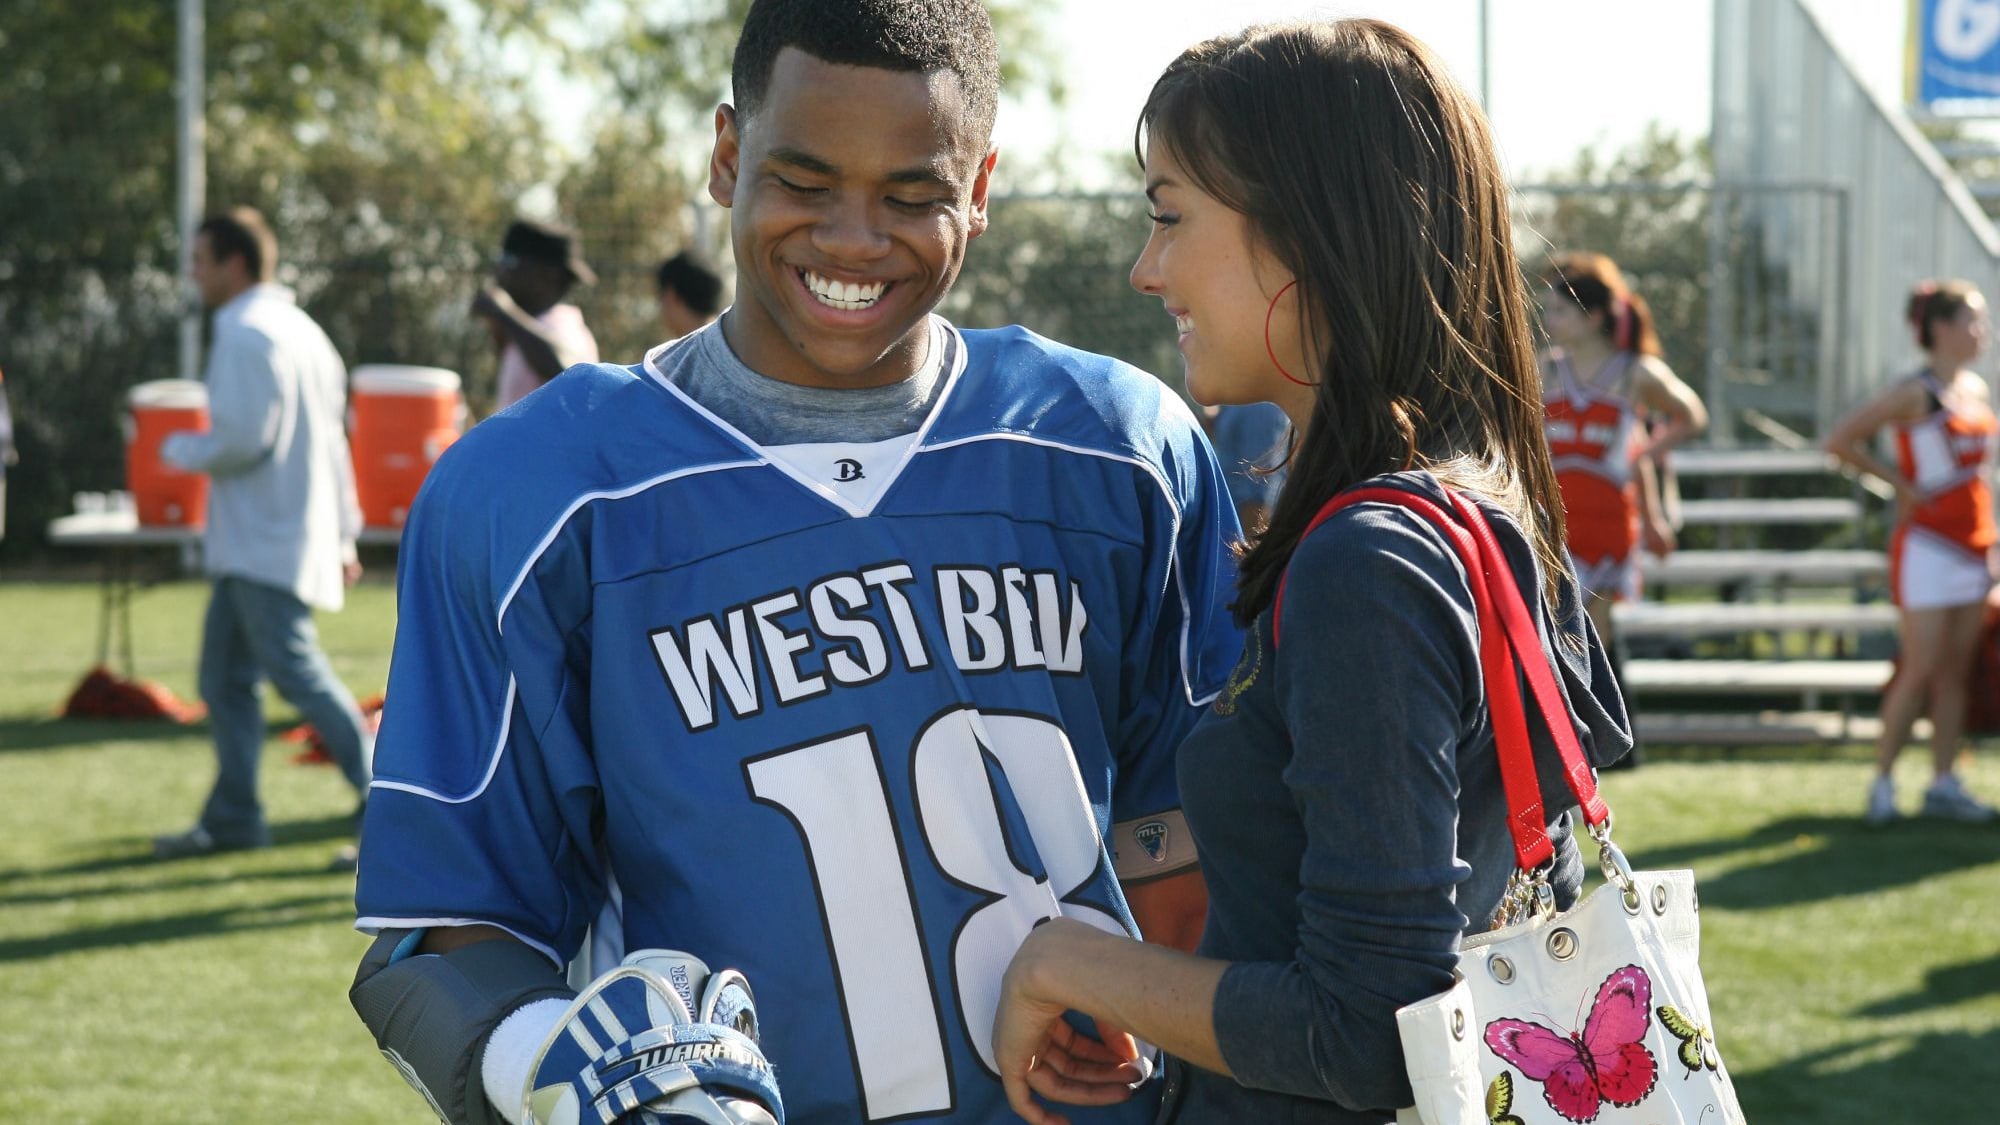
855,750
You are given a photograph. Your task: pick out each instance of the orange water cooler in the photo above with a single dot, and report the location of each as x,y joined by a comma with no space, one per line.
402,418
163,494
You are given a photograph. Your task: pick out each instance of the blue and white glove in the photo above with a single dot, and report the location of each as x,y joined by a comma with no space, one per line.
657,1041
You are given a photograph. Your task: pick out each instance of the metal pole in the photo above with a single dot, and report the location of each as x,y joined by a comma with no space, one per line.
1843,379
191,172
1723,428
1485,61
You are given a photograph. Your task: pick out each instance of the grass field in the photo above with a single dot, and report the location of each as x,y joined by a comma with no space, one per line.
1855,974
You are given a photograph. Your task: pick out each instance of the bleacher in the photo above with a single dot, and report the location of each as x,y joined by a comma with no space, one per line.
1807,630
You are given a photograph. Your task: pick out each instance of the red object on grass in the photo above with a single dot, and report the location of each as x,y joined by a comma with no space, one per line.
103,694
1982,703
315,752
1982,710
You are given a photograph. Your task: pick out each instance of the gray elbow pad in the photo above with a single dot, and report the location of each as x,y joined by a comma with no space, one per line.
431,1013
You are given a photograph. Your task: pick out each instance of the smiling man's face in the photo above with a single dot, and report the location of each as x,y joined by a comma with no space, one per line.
854,192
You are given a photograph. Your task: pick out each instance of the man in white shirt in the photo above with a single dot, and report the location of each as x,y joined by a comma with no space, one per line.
539,336
282,523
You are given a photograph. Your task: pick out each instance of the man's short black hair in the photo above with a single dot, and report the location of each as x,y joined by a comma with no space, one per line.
689,278
915,35
241,232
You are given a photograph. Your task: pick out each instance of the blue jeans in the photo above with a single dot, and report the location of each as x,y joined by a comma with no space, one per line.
255,632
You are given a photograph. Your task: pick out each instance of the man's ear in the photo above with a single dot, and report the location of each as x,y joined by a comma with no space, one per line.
982,182
722,163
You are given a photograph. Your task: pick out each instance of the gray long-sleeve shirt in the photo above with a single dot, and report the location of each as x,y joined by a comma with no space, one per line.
282,509
1346,800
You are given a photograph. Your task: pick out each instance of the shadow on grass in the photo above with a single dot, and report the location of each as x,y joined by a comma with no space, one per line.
1943,986
1831,857
1931,1079
52,732
185,877
339,826
331,908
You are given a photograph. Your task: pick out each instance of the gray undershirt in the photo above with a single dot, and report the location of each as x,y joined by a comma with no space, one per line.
772,412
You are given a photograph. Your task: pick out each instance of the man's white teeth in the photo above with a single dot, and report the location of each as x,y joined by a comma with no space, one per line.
1184,324
843,294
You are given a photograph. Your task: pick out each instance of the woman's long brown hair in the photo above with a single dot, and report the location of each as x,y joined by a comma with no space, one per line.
1370,174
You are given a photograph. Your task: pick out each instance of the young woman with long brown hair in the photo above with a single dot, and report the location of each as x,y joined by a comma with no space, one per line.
1331,234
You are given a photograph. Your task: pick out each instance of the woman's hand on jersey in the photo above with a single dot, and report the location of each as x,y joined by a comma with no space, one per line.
1908,499
1659,537
1039,1052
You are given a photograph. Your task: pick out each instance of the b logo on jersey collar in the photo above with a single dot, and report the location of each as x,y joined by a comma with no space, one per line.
847,469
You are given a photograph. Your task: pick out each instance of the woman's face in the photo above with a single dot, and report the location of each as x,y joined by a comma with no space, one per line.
1218,283
1565,321
1961,337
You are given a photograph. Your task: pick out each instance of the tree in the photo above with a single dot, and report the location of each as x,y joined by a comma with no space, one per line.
1060,265
1641,206
1649,207
354,125
388,141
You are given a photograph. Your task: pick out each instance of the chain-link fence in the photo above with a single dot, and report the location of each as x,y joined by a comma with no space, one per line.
1748,329
78,338
80,333
1060,264
1757,334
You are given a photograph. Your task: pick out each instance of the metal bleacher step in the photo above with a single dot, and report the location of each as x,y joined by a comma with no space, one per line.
1755,677
1653,619
1822,567
1757,728
1792,456
1751,462
1741,513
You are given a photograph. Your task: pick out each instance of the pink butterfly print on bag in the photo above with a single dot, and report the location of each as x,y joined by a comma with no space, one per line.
1606,1062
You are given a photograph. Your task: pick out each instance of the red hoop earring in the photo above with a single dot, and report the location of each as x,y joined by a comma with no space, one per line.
1268,349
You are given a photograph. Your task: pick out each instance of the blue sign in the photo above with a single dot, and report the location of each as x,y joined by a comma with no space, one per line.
1957,55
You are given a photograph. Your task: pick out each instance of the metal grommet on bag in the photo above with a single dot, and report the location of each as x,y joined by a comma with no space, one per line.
1502,970
1562,943
1659,898
1458,1023
1630,897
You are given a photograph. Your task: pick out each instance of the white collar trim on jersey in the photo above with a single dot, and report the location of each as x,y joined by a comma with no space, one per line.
821,489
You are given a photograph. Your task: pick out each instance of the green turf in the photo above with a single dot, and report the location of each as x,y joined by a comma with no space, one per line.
1855,974
209,990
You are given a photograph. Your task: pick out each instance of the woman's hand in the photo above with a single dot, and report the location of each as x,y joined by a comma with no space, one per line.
1658,537
1036,1049
1908,499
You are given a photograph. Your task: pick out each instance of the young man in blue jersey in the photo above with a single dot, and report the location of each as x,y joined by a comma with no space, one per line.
830,643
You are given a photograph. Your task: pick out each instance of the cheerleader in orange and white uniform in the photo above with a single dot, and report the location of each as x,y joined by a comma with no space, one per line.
1941,555
1604,385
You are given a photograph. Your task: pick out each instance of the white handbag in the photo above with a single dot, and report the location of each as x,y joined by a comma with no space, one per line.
1596,1014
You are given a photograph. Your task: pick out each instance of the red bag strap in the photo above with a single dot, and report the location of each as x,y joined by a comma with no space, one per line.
1506,632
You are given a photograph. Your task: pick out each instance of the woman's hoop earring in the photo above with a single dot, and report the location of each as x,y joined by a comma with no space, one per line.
1268,349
